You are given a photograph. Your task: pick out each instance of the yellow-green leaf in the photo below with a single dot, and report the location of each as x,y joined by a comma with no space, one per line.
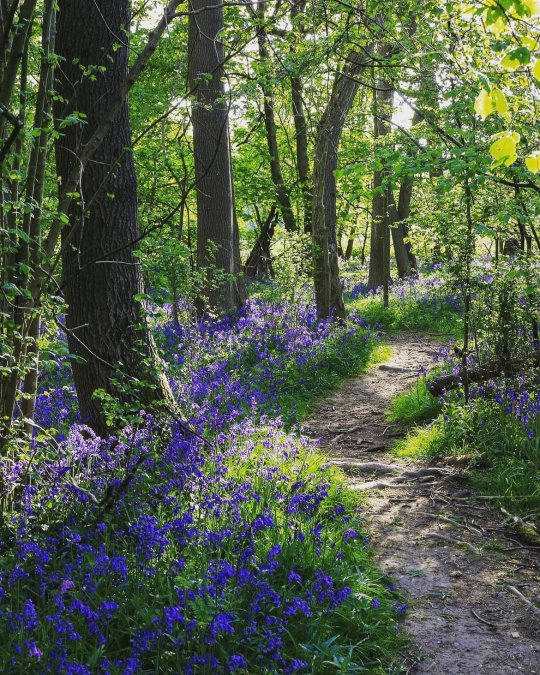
536,70
483,105
503,150
533,7
500,103
509,62
532,162
528,42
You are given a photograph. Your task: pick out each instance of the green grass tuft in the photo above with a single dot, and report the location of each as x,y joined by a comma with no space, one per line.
421,442
409,314
415,404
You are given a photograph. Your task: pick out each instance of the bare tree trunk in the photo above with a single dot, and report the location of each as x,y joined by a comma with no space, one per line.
34,195
300,126
328,289
403,213
396,227
216,240
105,323
379,262
282,194
259,262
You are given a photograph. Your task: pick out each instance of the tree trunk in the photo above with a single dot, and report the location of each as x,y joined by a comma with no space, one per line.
396,227
101,277
216,241
328,289
282,194
300,124
259,262
379,261
403,213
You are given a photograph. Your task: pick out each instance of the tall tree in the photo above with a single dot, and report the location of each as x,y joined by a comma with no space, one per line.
101,276
379,261
282,194
217,240
328,290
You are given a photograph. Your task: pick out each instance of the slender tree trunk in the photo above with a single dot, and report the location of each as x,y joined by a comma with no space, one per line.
379,261
210,115
300,124
34,195
328,289
259,262
396,227
282,194
105,323
403,213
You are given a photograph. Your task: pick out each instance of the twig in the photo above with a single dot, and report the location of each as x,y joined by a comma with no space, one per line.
450,540
438,516
488,623
535,610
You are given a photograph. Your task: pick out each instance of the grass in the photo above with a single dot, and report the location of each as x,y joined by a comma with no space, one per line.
415,404
504,463
409,314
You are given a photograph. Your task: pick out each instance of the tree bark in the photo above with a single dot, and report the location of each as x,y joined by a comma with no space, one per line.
403,213
105,323
379,261
281,192
259,263
216,241
300,124
328,289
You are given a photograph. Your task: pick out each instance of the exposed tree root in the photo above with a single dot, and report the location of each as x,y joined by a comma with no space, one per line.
451,540
402,479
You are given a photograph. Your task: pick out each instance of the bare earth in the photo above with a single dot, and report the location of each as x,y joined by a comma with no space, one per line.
463,577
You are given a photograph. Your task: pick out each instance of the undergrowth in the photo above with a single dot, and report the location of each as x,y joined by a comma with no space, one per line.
162,551
503,457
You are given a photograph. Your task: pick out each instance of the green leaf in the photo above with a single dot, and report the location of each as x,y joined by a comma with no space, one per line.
516,58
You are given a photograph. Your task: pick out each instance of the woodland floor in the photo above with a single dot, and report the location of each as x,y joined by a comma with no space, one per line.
462,578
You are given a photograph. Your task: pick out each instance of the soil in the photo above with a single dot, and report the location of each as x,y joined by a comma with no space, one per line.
461,577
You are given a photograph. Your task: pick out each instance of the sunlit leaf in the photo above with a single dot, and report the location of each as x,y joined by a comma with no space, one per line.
483,105
500,103
532,7
532,162
503,150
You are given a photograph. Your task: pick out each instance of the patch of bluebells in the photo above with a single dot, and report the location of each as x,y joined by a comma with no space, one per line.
516,395
249,364
207,556
429,291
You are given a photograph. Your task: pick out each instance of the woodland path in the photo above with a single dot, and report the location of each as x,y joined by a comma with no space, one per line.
462,578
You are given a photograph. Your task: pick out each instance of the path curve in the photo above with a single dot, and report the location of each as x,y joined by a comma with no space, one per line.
464,619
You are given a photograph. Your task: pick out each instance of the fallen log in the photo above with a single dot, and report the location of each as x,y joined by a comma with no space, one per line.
439,385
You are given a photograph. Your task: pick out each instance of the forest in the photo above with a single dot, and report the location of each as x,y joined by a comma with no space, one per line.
269,336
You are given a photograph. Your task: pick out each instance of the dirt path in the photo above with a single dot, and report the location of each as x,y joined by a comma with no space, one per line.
464,617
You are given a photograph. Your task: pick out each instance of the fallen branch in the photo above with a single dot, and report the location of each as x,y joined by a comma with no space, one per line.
535,610
451,540
488,623
440,384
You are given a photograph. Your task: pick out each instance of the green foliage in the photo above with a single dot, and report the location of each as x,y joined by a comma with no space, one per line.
414,405
504,462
